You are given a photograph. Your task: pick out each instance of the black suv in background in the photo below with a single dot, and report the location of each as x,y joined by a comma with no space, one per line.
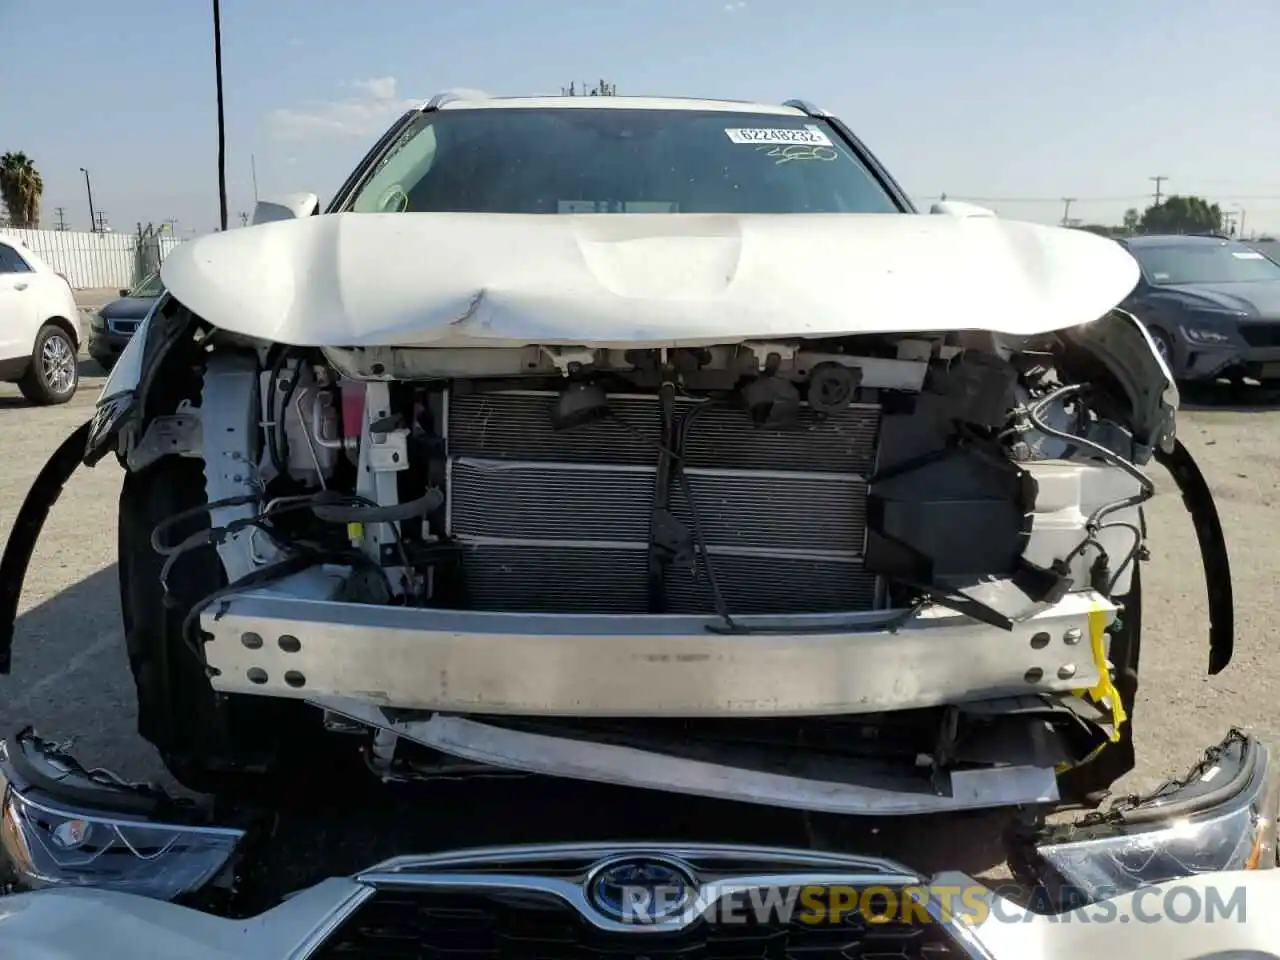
1212,305
112,326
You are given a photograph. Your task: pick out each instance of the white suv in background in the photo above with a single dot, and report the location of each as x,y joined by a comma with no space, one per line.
39,326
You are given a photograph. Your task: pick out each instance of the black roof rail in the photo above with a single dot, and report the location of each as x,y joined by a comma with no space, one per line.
450,96
804,106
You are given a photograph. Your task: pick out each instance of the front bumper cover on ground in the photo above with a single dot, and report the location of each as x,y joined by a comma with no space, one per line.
1220,819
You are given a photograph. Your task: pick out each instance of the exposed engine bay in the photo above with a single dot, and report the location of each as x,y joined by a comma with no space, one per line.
914,557
792,478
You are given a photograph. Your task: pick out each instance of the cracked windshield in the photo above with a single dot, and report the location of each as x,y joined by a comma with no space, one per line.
704,479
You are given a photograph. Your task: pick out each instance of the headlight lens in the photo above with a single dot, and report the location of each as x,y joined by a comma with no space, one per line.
49,843
96,323
1117,854
1204,335
48,847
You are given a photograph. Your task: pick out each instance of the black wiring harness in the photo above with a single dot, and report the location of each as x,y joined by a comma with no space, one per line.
276,436
1104,579
681,477
327,506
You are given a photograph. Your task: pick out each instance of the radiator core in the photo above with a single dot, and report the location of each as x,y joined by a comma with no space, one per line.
559,521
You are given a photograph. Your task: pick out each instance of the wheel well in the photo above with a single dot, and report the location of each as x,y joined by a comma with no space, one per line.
66,326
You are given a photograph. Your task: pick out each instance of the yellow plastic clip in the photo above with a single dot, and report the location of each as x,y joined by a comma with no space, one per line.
1104,692
355,531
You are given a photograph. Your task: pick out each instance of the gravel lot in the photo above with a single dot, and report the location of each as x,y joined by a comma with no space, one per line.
70,676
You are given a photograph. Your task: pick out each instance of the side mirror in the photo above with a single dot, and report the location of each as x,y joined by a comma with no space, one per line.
290,206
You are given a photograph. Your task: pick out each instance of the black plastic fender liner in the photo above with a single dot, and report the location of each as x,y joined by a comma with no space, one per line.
21,546
1198,499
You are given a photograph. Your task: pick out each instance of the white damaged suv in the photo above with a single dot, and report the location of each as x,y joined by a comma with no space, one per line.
658,442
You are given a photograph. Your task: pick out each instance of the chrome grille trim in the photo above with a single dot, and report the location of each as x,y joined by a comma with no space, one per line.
739,868
793,869
590,852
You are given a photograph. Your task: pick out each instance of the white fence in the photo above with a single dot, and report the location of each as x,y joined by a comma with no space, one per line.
99,259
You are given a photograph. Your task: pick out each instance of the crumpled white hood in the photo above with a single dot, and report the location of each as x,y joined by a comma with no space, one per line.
446,280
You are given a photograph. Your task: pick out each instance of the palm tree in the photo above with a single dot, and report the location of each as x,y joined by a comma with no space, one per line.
21,188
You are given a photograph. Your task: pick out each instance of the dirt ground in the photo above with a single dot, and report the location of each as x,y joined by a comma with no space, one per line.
70,676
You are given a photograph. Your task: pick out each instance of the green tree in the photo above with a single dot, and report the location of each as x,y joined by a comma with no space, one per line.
1131,220
1182,215
21,188
601,89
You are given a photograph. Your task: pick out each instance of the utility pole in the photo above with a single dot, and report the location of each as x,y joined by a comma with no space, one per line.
1158,180
244,218
222,130
253,170
62,219
1066,210
173,225
101,222
93,220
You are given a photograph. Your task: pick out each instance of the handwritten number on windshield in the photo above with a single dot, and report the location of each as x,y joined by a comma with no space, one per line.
799,151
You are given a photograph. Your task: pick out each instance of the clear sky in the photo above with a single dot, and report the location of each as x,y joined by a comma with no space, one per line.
1017,103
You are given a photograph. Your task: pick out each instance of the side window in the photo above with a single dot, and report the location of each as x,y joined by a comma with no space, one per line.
11,261
389,188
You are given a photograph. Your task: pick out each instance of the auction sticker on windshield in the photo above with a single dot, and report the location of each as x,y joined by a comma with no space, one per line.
809,135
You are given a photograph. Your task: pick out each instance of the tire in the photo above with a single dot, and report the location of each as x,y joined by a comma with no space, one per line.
238,746
54,373
1164,344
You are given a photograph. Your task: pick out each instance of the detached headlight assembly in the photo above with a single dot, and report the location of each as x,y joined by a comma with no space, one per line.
101,837
1221,816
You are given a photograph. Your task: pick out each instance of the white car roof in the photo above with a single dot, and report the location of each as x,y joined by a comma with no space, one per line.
33,259
471,100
